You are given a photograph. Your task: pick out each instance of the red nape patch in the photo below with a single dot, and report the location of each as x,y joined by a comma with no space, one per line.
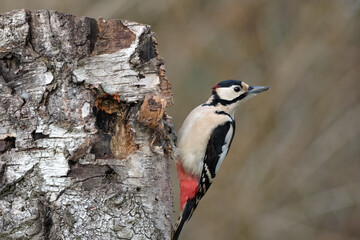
189,185
215,87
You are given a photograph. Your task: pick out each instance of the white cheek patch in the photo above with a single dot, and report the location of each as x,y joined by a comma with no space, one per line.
228,93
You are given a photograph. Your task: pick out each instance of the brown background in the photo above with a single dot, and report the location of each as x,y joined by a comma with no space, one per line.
294,168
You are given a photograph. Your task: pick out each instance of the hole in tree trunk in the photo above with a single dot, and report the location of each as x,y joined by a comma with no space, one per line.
7,144
37,136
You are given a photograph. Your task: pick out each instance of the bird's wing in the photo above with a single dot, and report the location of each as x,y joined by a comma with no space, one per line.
217,149
214,155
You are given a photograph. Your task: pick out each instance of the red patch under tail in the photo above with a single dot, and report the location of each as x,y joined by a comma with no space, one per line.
189,185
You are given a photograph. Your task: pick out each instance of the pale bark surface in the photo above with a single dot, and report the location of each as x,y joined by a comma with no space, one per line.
84,140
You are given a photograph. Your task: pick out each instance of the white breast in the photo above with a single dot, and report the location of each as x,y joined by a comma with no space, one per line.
194,136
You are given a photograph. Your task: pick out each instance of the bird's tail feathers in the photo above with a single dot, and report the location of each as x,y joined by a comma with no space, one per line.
185,215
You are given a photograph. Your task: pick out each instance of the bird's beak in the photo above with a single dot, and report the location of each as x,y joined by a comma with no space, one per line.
257,89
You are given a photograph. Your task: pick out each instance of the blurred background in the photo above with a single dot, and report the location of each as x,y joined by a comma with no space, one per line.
294,168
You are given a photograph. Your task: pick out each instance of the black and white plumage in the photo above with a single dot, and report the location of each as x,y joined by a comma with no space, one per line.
204,141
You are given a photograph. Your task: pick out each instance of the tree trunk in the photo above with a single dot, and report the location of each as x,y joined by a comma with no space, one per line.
84,140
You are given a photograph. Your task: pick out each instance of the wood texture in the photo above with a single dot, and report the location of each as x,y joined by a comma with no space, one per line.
80,157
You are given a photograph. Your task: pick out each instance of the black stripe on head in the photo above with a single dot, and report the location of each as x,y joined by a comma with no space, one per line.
224,102
228,83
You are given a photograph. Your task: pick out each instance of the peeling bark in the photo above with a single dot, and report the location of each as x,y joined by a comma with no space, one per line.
85,141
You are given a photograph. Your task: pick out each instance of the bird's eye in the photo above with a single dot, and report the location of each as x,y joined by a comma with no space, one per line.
237,89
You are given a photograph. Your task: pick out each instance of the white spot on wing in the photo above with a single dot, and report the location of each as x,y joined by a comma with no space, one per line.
225,148
208,173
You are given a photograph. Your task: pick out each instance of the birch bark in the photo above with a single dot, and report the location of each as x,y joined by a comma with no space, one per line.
85,142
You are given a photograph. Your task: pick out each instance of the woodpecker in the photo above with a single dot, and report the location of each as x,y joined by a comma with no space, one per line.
204,141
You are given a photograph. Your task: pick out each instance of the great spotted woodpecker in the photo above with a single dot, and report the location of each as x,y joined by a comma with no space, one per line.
204,141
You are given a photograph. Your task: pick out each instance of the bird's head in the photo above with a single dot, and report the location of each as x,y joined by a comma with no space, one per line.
230,93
